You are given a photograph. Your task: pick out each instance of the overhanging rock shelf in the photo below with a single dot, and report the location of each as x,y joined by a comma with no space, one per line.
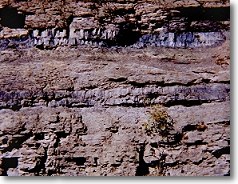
114,23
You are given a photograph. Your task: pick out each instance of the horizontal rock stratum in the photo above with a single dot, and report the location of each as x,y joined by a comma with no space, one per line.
114,88
193,23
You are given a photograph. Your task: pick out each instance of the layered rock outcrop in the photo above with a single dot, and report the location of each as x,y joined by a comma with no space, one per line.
111,142
89,112
158,107
114,23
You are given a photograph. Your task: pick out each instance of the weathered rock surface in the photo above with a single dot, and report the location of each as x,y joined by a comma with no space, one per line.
152,108
100,141
88,112
168,23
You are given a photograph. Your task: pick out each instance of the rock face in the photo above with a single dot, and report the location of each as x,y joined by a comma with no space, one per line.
152,108
111,142
114,23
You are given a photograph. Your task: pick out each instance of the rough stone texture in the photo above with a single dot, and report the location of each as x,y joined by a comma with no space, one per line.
107,110
99,141
138,23
85,112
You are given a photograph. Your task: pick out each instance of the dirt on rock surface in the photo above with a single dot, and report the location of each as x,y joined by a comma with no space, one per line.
84,111
144,109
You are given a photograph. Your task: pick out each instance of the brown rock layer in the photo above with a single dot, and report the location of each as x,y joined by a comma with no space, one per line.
114,111
89,112
118,23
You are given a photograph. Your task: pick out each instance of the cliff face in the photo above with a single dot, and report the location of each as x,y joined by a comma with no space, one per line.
158,107
167,23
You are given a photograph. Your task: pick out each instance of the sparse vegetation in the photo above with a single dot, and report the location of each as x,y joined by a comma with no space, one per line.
160,121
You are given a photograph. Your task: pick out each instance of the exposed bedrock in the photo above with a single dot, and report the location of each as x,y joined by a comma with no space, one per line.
97,38
121,96
95,78
113,142
113,23
148,96
98,112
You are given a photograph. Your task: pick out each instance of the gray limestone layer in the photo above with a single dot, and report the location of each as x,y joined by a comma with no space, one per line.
182,40
98,38
121,96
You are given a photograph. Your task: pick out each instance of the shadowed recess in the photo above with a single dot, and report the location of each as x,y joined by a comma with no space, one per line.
11,18
9,163
214,14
